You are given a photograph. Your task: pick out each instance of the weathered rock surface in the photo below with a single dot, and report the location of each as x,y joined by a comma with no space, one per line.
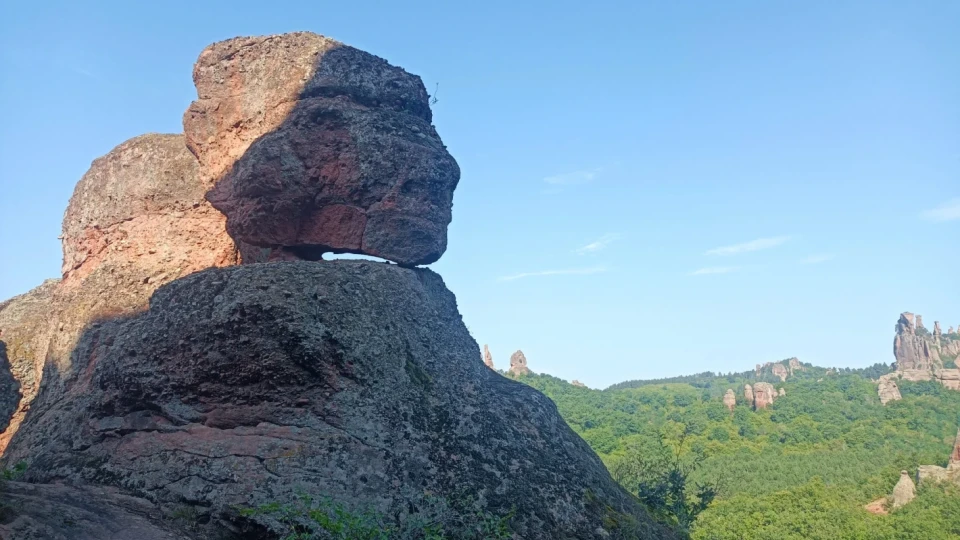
349,379
136,220
729,399
911,351
950,473
312,146
58,512
748,394
578,384
518,364
781,392
9,390
888,389
795,365
764,395
26,329
779,370
905,490
487,357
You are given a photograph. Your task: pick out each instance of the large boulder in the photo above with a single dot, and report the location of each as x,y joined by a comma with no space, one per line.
311,146
136,220
354,380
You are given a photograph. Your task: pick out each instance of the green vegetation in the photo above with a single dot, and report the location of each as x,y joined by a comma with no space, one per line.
434,519
803,468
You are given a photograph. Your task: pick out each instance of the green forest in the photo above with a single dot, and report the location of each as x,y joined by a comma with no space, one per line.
803,468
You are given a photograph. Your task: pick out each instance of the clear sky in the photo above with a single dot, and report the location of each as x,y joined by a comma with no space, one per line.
649,188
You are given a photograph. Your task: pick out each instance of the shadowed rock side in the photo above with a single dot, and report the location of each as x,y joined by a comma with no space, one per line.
9,390
356,380
136,220
312,146
48,512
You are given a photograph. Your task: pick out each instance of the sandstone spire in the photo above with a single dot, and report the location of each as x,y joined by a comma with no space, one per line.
920,322
518,364
763,395
904,491
487,357
748,394
730,399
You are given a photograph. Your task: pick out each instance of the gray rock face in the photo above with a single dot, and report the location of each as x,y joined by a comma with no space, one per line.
48,512
887,388
729,399
9,390
312,146
487,357
911,350
905,490
349,379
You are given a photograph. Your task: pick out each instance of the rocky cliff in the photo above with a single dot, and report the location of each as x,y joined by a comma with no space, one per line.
240,389
921,355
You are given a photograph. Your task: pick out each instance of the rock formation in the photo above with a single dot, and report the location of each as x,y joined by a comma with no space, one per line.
9,390
905,490
887,388
781,392
955,455
313,146
922,356
487,357
748,394
764,395
256,384
518,364
795,365
136,220
779,370
729,399
578,384
347,379
920,322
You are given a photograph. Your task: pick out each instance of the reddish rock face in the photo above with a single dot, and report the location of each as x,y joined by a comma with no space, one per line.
518,364
779,370
763,395
487,357
748,394
136,220
729,399
311,146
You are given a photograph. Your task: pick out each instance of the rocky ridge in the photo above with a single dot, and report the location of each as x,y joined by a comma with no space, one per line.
921,355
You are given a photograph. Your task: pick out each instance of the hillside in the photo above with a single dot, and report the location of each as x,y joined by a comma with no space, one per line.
804,467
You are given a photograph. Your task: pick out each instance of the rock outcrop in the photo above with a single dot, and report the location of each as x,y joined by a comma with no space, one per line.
136,220
578,384
46,512
781,392
487,357
955,455
748,394
888,389
905,490
729,399
346,379
256,385
922,356
764,395
950,473
794,365
9,390
312,146
779,370
518,364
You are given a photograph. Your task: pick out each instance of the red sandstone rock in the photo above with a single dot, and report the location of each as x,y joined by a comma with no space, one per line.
487,357
763,395
730,399
518,364
312,146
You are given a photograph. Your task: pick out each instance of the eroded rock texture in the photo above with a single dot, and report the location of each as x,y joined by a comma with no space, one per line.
136,220
518,364
912,351
905,490
312,146
764,395
58,512
9,390
487,357
350,379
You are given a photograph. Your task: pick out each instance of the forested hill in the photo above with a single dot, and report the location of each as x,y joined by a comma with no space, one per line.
804,467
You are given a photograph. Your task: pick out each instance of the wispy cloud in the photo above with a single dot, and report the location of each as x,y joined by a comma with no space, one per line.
84,72
817,259
597,245
714,270
572,178
746,247
948,211
569,271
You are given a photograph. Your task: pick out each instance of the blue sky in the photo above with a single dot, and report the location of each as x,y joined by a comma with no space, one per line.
649,189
